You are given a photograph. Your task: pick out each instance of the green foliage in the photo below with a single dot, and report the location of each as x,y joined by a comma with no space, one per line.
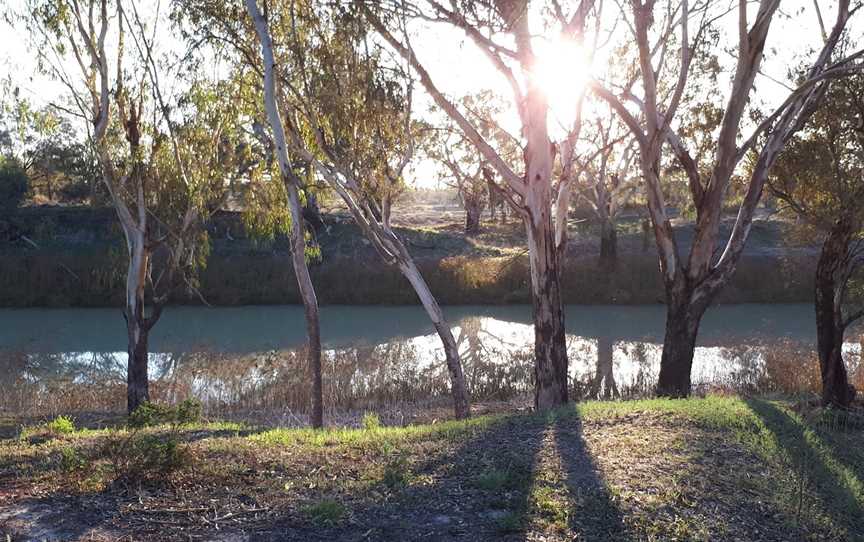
151,414
71,459
820,173
14,185
371,422
326,512
61,425
397,473
137,456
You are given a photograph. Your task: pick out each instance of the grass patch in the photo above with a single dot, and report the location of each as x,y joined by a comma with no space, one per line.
697,469
380,437
326,512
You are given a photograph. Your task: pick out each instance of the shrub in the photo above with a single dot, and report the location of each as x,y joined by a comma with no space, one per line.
37,434
13,185
396,473
371,422
150,414
71,459
61,425
137,456
326,512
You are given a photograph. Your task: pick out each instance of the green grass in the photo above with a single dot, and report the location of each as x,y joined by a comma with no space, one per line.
495,479
382,436
326,512
712,459
61,425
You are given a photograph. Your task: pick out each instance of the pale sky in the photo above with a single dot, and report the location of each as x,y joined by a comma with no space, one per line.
458,67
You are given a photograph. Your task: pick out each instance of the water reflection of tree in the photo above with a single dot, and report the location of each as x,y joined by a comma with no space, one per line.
497,364
494,367
639,355
49,383
603,385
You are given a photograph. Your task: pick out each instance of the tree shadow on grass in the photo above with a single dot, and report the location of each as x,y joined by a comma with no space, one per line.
475,490
839,501
594,515
485,488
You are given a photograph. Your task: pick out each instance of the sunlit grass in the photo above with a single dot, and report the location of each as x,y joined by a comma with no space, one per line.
806,469
373,435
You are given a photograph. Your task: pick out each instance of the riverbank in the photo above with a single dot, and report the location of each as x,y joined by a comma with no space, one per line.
78,261
718,468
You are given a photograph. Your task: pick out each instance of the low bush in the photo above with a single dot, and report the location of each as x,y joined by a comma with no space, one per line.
61,425
151,414
371,422
137,456
326,512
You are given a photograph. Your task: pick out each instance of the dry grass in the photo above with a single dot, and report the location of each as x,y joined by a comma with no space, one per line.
701,469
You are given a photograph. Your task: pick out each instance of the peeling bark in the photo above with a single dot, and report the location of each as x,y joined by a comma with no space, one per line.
550,346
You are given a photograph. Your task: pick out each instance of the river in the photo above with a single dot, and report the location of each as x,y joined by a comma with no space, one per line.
251,358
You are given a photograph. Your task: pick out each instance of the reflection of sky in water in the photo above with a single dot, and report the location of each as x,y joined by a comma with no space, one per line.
263,328
373,348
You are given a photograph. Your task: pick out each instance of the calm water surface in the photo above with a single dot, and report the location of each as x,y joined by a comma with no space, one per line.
251,357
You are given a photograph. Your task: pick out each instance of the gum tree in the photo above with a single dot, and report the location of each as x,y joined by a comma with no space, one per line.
820,176
162,176
345,112
649,103
540,190
606,163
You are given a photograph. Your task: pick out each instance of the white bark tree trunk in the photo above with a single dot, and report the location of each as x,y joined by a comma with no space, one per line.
298,241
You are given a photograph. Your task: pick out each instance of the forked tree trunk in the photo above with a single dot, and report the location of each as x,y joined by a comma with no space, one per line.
550,346
461,401
608,243
679,345
830,327
534,191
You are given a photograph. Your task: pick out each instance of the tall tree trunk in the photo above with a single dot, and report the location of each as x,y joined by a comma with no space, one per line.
608,243
550,346
829,318
473,210
310,304
137,378
298,242
461,400
679,344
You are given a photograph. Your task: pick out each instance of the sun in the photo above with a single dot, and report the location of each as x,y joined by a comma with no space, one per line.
561,70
